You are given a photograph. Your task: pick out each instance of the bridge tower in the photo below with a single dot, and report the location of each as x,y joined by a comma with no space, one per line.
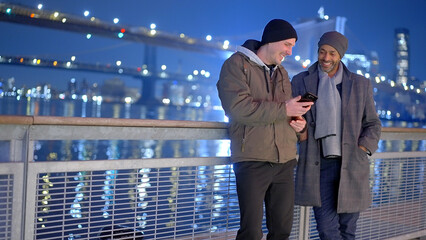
148,83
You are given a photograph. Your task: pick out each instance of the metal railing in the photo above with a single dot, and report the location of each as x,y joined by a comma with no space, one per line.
97,178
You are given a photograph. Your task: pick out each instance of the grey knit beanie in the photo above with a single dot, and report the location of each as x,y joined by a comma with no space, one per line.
277,30
336,40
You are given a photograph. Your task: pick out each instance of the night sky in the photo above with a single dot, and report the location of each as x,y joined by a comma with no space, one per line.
370,27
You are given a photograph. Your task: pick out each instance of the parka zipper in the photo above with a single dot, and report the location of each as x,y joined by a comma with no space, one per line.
244,139
266,79
275,143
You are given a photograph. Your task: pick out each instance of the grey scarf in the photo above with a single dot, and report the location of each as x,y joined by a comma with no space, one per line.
328,115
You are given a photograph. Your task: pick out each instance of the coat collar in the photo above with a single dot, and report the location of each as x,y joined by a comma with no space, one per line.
347,81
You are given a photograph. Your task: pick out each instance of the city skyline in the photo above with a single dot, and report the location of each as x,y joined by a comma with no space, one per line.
34,41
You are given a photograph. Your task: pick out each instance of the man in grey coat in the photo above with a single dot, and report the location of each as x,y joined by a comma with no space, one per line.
342,130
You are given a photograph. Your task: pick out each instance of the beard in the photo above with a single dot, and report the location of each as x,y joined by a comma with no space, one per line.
328,68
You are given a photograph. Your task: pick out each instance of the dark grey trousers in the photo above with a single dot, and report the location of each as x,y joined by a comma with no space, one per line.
269,183
330,224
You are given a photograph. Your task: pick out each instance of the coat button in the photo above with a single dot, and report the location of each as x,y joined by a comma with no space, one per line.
316,163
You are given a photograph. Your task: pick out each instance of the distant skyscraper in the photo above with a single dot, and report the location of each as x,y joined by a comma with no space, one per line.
10,84
72,86
402,56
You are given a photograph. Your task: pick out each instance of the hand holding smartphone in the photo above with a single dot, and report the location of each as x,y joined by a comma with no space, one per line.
308,97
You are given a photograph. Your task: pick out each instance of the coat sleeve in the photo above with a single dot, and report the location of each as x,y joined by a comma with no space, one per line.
296,91
371,125
237,101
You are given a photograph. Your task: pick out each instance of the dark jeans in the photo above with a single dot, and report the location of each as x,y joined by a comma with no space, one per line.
330,224
272,183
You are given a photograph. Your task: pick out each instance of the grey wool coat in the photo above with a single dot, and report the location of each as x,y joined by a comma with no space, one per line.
360,126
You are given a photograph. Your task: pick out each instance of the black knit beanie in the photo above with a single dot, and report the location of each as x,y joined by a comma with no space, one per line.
336,40
277,30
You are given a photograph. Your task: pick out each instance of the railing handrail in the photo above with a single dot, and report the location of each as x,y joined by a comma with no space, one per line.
403,130
111,122
120,122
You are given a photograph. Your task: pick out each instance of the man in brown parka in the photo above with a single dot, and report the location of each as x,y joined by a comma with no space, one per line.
255,92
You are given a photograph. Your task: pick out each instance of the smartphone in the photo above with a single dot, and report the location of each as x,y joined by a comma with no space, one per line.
308,97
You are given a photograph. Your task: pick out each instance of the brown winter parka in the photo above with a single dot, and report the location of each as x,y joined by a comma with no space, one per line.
254,100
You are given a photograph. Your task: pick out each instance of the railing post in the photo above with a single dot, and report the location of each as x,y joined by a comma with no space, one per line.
304,223
28,155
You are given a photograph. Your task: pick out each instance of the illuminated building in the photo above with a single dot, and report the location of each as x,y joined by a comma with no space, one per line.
402,56
357,62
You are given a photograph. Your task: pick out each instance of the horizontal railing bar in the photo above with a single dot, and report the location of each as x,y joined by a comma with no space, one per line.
403,130
150,204
97,202
117,187
157,174
96,222
71,221
390,155
410,235
180,182
112,122
10,167
100,165
13,132
68,132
